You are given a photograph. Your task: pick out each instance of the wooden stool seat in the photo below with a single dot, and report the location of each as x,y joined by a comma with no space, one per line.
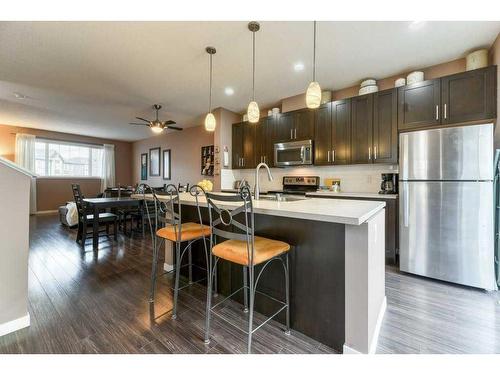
188,232
236,251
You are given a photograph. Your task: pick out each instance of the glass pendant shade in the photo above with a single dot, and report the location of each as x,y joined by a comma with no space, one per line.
253,112
210,122
313,95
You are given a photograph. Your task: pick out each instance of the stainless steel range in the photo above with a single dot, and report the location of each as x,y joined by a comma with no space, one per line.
298,185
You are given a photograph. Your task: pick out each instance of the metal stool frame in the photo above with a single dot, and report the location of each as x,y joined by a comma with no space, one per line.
222,217
165,213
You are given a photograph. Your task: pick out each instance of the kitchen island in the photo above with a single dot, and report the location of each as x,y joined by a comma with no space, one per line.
337,274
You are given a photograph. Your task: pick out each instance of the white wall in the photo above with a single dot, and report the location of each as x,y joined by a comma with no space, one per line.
14,243
363,178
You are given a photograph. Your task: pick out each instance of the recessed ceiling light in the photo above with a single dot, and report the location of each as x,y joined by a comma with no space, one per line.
298,67
229,91
19,96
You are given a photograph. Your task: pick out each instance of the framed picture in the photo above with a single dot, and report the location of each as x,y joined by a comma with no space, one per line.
166,165
144,167
154,161
207,160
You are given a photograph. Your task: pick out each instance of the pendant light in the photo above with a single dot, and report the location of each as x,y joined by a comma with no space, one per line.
210,118
313,93
253,111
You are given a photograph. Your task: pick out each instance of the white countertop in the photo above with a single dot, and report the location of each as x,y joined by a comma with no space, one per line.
344,211
353,195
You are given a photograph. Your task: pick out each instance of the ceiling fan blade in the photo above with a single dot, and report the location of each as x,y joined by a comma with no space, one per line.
173,127
135,123
169,122
143,119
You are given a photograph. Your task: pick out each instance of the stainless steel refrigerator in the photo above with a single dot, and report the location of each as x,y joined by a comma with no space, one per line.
446,208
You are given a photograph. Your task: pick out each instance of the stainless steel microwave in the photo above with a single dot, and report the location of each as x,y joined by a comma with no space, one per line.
293,153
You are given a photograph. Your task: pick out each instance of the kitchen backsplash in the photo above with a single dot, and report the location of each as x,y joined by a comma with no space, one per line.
353,178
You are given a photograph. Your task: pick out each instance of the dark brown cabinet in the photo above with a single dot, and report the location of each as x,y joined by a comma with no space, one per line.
323,135
332,134
341,132
418,105
362,129
264,146
385,126
469,96
237,146
243,140
459,98
295,126
391,224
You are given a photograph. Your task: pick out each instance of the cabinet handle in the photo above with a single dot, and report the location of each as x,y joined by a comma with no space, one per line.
328,156
445,115
291,133
295,133
437,112
264,158
369,153
333,156
375,152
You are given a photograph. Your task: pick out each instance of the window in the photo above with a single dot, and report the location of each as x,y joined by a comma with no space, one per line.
66,159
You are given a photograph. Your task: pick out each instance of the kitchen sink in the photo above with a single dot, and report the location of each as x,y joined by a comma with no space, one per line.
282,198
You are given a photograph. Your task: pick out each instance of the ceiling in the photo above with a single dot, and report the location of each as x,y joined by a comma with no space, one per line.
93,78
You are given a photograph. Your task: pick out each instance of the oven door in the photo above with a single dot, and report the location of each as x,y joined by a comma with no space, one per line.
293,153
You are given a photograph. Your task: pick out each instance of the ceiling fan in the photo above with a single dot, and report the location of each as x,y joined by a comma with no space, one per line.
156,125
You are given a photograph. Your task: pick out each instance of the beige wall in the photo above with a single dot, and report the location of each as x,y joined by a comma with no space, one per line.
435,71
53,192
495,60
14,243
185,149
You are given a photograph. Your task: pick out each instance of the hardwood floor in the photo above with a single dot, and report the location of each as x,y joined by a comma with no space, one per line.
80,302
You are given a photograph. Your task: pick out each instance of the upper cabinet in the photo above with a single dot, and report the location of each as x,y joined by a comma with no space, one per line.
264,146
295,126
418,104
341,132
385,126
469,96
361,129
243,140
459,98
364,129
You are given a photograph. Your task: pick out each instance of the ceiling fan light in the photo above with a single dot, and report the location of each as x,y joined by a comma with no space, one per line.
156,129
313,95
253,112
210,122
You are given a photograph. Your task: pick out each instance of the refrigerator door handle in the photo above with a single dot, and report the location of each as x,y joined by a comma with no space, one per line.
406,205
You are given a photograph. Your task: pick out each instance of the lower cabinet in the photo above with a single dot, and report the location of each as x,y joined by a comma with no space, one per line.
391,225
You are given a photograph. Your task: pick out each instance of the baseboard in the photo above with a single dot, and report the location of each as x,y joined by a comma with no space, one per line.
168,267
48,212
15,325
373,345
348,350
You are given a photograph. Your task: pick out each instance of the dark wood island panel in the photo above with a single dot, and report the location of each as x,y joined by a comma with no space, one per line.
317,274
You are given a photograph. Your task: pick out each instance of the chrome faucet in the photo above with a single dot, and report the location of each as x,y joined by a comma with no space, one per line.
257,184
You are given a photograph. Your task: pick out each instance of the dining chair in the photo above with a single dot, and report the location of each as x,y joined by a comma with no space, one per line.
86,219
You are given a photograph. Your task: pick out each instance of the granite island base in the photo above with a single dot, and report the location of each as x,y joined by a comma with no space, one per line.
337,274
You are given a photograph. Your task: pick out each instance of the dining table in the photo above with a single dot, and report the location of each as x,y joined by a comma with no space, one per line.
98,204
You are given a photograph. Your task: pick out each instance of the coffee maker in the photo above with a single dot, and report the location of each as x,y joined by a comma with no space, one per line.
389,184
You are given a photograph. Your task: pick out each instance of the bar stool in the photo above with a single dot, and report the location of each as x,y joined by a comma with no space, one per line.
244,248
169,216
